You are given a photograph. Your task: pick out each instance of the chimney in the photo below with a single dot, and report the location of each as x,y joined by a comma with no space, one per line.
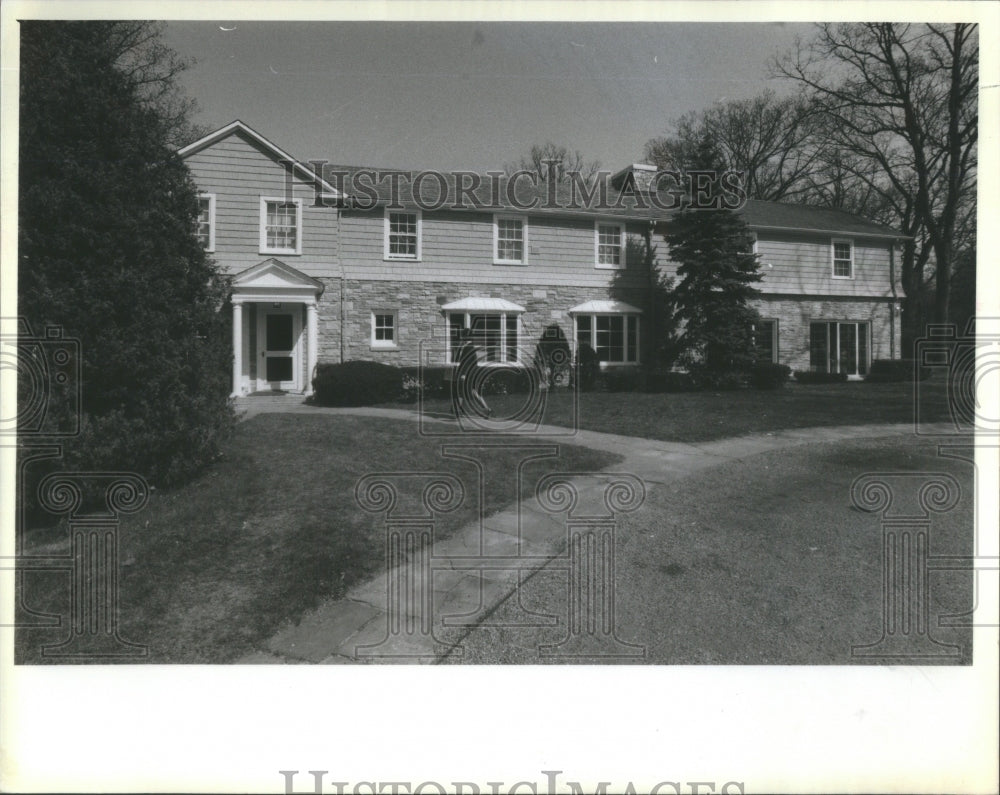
642,174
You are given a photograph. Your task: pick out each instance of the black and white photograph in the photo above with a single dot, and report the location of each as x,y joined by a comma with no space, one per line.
496,398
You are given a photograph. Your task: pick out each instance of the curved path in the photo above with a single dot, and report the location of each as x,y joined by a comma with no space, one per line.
334,631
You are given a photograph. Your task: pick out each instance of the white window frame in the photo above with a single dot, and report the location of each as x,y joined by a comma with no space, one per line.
504,342
211,218
496,240
420,236
385,344
622,247
264,248
833,257
832,348
593,335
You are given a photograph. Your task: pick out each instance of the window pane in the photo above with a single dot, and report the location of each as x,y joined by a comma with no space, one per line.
456,322
848,353
204,227
862,348
281,225
510,239
632,350
582,330
511,340
818,347
609,244
384,327
403,234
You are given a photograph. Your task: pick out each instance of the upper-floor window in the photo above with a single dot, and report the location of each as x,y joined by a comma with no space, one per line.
280,226
205,229
843,259
610,245
402,234
510,236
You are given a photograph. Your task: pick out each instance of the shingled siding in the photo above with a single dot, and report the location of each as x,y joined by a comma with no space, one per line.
795,313
803,265
420,319
457,246
238,172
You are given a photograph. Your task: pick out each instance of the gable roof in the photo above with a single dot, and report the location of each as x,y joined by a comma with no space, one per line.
238,127
337,183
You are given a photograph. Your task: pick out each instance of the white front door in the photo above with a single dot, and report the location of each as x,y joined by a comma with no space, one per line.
279,332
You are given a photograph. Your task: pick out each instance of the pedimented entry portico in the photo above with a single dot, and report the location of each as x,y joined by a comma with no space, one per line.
275,329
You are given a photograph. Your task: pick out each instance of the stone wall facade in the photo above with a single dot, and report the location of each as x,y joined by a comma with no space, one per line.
421,324
795,313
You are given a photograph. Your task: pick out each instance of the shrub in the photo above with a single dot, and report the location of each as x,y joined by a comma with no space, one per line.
626,379
588,366
707,378
669,381
554,356
435,381
503,381
767,375
813,377
356,384
886,370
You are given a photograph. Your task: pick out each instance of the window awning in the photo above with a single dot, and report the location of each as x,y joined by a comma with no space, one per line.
605,308
482,305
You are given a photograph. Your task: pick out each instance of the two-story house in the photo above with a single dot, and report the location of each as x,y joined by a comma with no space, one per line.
320,277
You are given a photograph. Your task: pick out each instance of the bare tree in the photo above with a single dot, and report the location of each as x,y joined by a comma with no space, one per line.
769,138
564,160
901,101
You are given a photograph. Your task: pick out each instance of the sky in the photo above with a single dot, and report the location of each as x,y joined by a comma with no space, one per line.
469,95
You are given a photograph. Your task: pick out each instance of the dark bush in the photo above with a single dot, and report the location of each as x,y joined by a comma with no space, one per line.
886,370
435,381
356,384
588,367
499,380
554,356
662,380
705,378
813,377
768,375
624,379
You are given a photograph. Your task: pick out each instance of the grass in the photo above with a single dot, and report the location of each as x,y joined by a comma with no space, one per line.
210,570
704,416
762,561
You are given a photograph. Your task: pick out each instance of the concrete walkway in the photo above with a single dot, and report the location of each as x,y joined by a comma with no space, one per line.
361,628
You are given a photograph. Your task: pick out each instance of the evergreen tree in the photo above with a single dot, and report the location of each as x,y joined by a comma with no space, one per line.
716,269
107,248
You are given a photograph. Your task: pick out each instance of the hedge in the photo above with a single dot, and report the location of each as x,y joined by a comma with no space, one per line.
811,377
767,375
886,370
356,384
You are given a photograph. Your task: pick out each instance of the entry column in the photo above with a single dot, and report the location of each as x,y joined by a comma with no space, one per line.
312,335
237,347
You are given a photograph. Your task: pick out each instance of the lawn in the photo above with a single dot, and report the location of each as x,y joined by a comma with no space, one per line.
704,416
762,561
210,570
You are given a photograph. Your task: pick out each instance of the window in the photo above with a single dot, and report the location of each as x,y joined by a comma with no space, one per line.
843,259
383,329
509,239
205,229
495,335
839,347
280,226
402,235
765,340
610,245
615,338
